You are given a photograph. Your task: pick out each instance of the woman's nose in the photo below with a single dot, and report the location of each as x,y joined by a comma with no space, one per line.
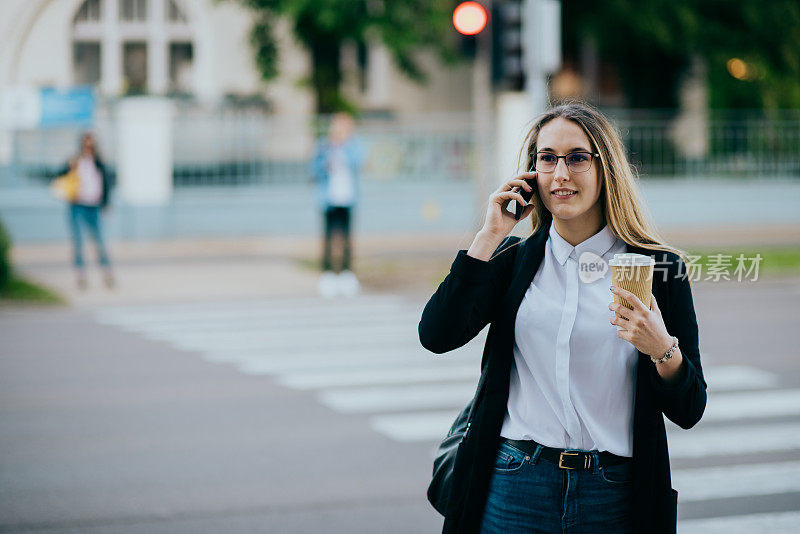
561,172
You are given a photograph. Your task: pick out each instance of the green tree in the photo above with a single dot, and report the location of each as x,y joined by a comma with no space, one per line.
322,26
651,43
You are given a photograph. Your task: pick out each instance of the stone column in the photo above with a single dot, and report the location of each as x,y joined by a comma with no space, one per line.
111,50
157,49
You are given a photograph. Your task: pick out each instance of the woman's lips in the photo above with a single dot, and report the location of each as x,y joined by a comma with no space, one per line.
563,197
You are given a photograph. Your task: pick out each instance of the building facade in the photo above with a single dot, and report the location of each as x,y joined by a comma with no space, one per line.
195,48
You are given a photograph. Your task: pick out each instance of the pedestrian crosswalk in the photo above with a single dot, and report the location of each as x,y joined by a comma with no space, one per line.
362,356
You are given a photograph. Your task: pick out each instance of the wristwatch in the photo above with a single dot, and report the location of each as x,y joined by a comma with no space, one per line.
667,355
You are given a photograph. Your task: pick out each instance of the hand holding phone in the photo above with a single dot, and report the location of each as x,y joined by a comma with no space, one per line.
500,220
527,195
500,216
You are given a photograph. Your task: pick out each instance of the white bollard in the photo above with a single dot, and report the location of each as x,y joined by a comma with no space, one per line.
144,157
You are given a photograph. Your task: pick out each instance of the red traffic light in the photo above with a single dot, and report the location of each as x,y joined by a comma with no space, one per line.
470,18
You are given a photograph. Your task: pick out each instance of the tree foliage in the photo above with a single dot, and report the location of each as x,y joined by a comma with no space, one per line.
322,26
5,257
653,41
650,43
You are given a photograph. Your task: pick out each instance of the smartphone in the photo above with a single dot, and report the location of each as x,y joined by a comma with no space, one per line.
526,195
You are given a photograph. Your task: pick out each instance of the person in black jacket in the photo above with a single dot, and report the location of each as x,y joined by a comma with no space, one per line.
567,432
85,209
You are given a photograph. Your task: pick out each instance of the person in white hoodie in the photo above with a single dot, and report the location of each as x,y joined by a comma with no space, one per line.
336,166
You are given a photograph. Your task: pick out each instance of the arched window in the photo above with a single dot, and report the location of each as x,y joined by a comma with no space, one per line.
133,10
174,14
89,11
133,46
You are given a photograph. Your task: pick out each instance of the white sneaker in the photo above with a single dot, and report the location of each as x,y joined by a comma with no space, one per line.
327,287
348,284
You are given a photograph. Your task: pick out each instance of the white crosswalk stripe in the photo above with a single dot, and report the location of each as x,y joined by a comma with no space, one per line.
738,377
362,356
777,523
701,441
330,360
393,398
732,406
749,479
392,375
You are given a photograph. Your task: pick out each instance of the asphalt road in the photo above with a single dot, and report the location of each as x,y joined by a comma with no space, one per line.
302,415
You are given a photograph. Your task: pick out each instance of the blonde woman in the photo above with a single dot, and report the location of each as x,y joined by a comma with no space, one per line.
567,433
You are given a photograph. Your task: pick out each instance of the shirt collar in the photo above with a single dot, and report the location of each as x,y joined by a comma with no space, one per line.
599,243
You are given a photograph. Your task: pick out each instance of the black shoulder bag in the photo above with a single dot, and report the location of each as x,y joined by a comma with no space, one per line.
441,484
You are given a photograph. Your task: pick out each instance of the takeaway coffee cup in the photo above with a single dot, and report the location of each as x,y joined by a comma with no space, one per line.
633,272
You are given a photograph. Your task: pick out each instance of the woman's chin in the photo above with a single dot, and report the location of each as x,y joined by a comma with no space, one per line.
565,212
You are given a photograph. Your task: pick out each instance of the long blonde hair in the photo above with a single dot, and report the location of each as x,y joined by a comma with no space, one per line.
623,208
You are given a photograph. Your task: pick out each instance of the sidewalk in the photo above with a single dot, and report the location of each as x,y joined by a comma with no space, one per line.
180,271
264,267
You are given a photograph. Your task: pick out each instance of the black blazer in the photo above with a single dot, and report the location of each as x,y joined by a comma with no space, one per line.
476,293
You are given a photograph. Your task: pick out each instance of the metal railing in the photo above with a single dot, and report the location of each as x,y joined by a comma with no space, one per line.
235,147
245,146
721,144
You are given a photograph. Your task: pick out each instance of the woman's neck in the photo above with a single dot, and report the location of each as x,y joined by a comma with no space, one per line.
575,232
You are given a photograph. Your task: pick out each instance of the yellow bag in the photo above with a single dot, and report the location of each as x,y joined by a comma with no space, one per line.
66,187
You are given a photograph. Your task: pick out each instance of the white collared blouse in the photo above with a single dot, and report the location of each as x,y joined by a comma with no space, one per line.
572,381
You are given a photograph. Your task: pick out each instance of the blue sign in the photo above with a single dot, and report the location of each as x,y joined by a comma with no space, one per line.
69,107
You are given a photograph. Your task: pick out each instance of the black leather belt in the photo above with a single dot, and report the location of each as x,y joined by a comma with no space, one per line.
566,459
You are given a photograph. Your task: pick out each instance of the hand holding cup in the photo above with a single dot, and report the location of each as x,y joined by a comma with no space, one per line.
640,325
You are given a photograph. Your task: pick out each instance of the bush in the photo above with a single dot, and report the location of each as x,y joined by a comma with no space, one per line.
5,260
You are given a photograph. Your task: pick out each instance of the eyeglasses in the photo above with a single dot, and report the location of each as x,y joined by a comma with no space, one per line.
576,161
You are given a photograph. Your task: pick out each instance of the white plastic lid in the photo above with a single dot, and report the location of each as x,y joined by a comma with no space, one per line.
630,258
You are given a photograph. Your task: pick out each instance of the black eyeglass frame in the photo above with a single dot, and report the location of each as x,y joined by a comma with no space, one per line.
592,154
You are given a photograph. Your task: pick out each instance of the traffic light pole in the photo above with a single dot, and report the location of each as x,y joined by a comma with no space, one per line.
483,127
541,42
497,136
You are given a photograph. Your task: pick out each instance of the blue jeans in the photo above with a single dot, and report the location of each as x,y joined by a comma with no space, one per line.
88,216
532,495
